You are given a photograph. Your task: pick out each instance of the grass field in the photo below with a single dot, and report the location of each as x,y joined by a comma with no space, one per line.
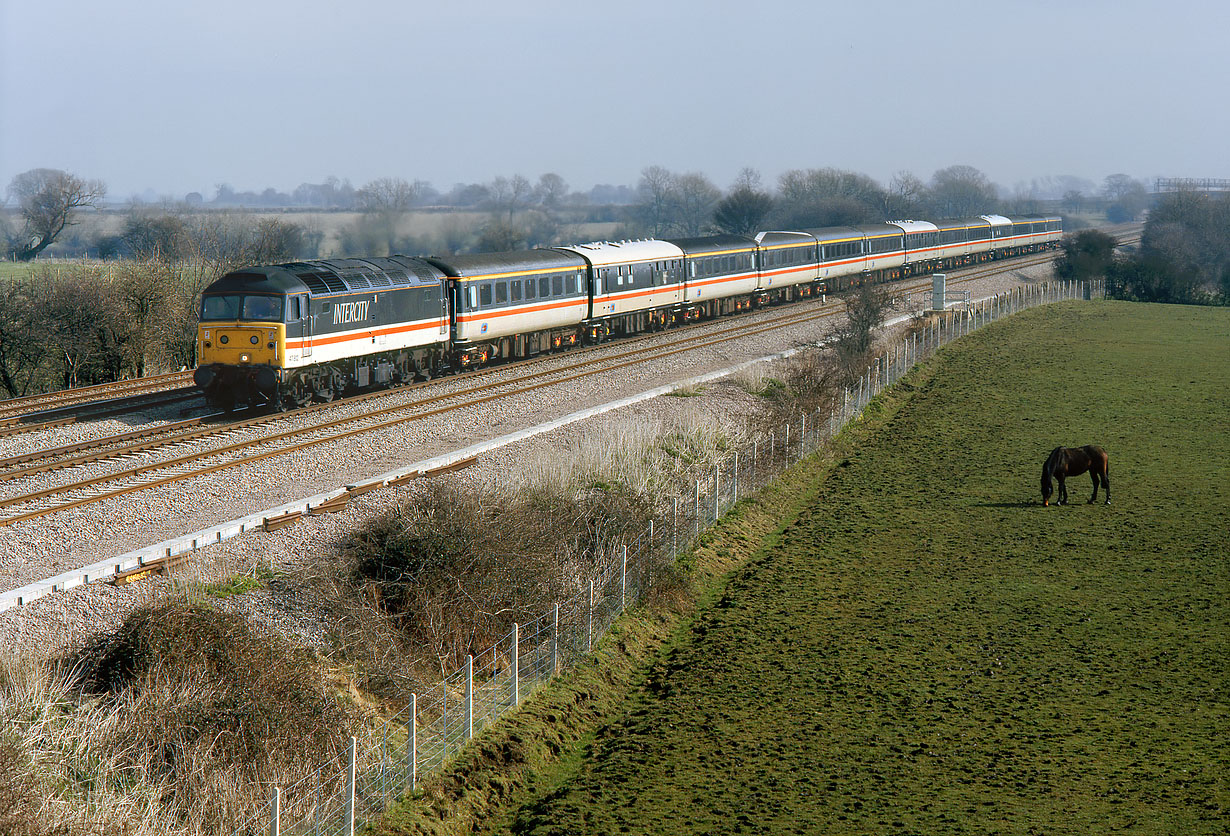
924,648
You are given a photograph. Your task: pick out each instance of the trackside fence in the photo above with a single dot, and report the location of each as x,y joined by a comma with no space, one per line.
354,788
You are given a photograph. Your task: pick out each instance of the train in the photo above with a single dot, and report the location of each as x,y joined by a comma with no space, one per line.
286,335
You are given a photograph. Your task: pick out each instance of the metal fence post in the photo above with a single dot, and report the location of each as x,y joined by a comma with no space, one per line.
674,528
623,580
697,507
717,488
734,496
275,813
589,621
350,787
469,697
555,643
412,743
516,664
803,437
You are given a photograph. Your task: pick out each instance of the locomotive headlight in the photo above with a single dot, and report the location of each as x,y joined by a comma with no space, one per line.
208,344
255,339
224,339
272,346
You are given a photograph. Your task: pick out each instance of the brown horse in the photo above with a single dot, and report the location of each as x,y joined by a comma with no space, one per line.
1073,461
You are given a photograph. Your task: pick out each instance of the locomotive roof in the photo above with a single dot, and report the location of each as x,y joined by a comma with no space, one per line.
494,265
600,253
271,279
329,276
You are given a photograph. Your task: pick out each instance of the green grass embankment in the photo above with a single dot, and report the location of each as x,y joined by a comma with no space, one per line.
910,642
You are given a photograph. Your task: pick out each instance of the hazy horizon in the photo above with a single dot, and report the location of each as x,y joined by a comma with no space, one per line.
158,99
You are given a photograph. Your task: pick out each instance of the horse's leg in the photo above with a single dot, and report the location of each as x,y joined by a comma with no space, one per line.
1063,490
1093,474
1106,483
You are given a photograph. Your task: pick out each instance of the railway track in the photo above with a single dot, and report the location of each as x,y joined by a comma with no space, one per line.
170,468
249,440
150,438
103,396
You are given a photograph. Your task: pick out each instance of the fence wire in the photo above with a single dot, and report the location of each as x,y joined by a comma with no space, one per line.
436,725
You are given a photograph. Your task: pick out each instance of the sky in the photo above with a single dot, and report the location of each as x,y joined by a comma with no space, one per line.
174,97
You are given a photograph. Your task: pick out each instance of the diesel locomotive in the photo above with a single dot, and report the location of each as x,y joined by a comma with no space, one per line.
285,335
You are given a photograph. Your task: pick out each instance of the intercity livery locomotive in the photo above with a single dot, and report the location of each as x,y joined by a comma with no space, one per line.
289,334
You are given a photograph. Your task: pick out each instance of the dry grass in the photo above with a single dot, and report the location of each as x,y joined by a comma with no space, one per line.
173,723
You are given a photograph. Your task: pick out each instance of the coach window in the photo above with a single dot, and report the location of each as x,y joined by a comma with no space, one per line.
516,290
501,293
580,283
484,295
557,285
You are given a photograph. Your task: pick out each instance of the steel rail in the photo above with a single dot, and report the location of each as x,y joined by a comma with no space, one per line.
534,381
16,408
172,437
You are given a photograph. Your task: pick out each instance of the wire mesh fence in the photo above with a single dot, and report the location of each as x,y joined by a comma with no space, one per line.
354,788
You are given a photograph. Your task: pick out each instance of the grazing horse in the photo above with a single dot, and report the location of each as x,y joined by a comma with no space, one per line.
1073,461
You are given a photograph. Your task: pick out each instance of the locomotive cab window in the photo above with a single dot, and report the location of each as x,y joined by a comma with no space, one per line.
220,307
234,306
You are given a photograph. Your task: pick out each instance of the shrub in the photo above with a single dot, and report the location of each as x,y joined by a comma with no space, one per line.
204,707
456,568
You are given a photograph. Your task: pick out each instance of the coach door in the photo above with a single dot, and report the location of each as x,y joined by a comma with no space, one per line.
301,324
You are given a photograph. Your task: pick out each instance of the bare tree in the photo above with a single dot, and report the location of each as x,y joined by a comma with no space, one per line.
508,194
697,199
551,190
1126,196
827,197
905,196
386,196
658,200
742,212
961,191
49,199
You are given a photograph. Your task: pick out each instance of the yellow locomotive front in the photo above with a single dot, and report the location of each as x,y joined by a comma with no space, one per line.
241,343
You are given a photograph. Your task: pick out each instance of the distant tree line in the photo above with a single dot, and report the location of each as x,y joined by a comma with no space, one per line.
1183,257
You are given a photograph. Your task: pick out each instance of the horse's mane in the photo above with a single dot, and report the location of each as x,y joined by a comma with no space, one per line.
1052,461
1048,469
